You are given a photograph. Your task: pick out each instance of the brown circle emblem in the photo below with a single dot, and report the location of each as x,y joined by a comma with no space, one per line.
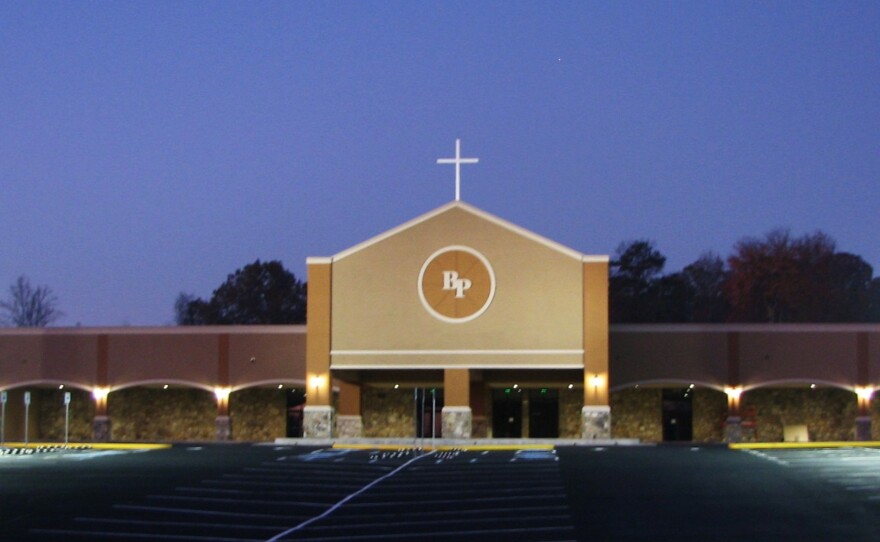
456,284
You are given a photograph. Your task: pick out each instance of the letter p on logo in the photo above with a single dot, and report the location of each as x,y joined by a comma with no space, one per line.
452,282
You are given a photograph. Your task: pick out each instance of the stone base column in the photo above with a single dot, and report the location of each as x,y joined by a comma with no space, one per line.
349,426
596,422
456,422
863,428
223,428
101,429
733,429
317,422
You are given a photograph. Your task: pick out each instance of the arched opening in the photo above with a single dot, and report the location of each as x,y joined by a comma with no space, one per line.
268,411
798,411
55,412
669,411
162,412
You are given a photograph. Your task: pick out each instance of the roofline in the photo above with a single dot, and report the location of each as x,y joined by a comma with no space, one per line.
553,245
596,258
155,330
301,329
747,328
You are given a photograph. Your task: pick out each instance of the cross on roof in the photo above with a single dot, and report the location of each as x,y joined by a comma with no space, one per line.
458,161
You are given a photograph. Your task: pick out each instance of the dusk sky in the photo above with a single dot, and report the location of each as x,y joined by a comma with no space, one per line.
152,148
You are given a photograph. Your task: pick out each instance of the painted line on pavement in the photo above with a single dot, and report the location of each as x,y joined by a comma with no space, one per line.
801,445
78,446
351,496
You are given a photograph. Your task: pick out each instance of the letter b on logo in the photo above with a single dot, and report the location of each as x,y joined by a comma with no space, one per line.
452,282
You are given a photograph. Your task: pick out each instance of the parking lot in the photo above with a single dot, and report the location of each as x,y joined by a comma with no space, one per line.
267,493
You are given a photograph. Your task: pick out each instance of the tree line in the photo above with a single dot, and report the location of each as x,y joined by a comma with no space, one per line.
775,278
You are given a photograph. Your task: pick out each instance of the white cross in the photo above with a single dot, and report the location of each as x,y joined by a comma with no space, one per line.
458,161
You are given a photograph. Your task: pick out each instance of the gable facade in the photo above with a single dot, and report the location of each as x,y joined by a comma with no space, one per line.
456,290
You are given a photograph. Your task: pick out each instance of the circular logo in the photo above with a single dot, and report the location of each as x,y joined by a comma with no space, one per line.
456,284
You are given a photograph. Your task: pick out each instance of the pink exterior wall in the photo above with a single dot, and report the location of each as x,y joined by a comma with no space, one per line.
749,355
645,353
185,356
191,356
267,355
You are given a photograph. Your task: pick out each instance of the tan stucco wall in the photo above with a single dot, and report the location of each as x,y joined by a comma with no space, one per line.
537,303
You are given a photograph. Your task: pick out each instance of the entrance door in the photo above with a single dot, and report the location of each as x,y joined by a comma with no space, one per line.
677,414
507,413
429,408
543,413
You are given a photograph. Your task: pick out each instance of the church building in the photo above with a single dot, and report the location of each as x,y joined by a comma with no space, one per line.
456,324
461,301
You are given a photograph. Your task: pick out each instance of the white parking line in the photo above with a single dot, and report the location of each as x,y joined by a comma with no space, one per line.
346,499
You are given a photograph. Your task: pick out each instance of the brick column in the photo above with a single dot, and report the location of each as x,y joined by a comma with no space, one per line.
864,391
223,422
596,412
733,423
318,415
101,428
349,421
456,416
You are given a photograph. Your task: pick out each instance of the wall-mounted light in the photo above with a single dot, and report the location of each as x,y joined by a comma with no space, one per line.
222,394
864,394
316,382
733,395
100,394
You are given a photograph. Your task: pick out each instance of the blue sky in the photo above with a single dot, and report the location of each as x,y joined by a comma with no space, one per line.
149,148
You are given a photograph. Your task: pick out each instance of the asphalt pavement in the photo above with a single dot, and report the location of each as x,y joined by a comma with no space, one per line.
242,492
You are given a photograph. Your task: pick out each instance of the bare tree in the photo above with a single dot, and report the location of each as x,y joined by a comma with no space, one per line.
27,306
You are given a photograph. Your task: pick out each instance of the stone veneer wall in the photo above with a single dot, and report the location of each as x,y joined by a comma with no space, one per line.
48,405
828,413
636,413
152,414
387,412
570,404
258,414
709,415
480,427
